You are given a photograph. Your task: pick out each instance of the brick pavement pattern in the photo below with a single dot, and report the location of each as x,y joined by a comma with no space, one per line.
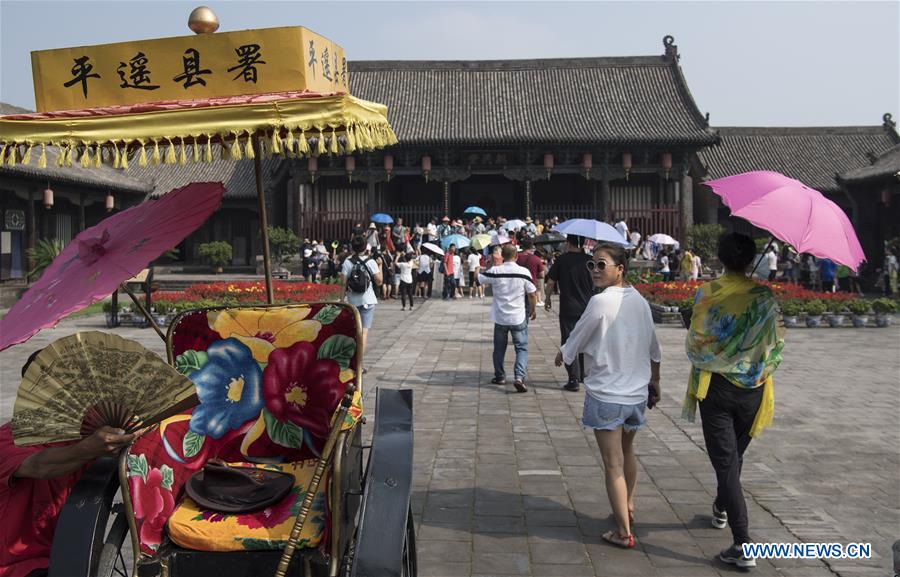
510,484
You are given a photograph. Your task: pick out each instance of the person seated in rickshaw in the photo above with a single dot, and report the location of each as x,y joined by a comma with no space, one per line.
35,482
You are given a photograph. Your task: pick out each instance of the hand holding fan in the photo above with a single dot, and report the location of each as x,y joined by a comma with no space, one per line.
90,379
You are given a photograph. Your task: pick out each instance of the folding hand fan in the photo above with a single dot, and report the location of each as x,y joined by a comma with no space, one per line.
90,379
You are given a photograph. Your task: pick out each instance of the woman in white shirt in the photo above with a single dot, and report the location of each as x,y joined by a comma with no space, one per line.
406,281
474,262
621,359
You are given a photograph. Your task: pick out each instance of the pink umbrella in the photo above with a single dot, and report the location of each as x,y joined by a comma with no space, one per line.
793,213
101,257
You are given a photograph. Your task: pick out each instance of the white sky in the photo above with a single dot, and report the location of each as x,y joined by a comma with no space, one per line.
746,63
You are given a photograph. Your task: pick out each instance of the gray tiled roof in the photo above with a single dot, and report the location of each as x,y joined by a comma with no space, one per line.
811,155
102,178
238,176
886,165
617,100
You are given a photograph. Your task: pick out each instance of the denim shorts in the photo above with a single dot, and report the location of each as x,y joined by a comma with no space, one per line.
366,315
610,416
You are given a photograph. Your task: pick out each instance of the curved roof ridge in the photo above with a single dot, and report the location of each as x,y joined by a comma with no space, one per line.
507,64
798,130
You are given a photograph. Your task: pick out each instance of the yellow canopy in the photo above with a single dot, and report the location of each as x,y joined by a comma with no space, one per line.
296,125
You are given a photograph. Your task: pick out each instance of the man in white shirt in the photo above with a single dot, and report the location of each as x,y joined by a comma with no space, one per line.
426,278
474,262
363,300
431,231
622,227
772,263
515,300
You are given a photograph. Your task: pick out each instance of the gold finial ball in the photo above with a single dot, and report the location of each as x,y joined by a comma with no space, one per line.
203,20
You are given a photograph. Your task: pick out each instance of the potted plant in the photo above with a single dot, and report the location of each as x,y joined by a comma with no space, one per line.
790,311
108,311
686,308
883,308
814,311
162,313
836,310
860,310
216,254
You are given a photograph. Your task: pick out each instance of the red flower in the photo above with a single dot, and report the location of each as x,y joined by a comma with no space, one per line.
153,504
273,515
301,389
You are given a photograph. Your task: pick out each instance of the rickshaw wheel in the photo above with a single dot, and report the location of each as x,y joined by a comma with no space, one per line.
408,563
112,562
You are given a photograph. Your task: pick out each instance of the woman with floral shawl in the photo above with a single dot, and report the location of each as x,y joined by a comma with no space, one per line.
734,344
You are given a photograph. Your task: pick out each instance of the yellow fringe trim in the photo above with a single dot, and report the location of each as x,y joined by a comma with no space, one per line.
333,149
276,141
98,156
124,163
195,150
156,157
3,152
182,160
248,148
142,161
171,157
11,159
116,158
70,154
42,161
26,159
236,147
207,157
320,145
302,144
290,142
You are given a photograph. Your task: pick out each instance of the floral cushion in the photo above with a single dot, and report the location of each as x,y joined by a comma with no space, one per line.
269,380
192,527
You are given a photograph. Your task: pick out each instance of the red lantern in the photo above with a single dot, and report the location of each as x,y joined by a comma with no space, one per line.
548,163
48,197
426,166
313,167
388,165
110,202
626,163
667,163
587,161
350,166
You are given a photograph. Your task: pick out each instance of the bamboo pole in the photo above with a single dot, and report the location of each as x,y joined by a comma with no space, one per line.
263,220
144,311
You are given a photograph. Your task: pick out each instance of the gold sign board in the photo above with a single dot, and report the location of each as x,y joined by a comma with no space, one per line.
188,67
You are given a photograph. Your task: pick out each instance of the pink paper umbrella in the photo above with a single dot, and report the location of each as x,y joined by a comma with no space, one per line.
793,213
101,257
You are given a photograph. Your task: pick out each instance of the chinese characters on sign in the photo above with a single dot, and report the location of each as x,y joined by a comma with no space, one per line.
290,59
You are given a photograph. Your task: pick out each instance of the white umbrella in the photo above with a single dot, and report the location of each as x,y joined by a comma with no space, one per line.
664,239
433,248
513,224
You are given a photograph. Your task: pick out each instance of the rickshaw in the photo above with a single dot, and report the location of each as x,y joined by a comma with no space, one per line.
279,388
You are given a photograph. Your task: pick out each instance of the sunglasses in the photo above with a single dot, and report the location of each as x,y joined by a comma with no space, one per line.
596,264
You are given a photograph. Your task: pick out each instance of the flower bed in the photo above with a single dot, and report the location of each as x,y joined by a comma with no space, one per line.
681,293
243,293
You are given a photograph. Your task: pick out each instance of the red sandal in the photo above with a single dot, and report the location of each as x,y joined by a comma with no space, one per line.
623,541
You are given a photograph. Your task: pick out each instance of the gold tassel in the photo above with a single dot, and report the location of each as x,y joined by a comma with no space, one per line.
3,152
85,160
171,158
142,161
302,144
61,156
70,154
248,148
27,158
124,163
333,149
11,159
156,157
236,146
195,149
98,156
208,157
42,161
289,142
224,149
320,145
351,140
116,158
276,141
183,159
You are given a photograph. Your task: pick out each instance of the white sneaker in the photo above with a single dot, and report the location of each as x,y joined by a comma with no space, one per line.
540,303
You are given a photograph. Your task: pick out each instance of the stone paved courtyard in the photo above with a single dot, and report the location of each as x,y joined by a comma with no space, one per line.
509,484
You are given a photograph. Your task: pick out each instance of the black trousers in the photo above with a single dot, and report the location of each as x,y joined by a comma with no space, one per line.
575,370
728,412
406,290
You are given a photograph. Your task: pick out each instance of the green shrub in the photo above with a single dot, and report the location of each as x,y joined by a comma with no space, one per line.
42,255
859,307
884,306
836,306
703,240
814,307
217,253
283,244
107,307
791,308
163,307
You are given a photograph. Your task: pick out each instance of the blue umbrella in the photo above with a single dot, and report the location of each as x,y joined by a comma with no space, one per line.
593,229
459,240
382,218
475,210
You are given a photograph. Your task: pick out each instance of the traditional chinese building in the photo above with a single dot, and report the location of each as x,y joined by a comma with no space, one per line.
55,203
833,160
581,137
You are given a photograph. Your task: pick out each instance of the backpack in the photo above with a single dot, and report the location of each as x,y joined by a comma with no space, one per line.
359,280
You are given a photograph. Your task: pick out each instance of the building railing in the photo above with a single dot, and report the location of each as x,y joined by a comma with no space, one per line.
414,214
564,211
329,225
649,221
